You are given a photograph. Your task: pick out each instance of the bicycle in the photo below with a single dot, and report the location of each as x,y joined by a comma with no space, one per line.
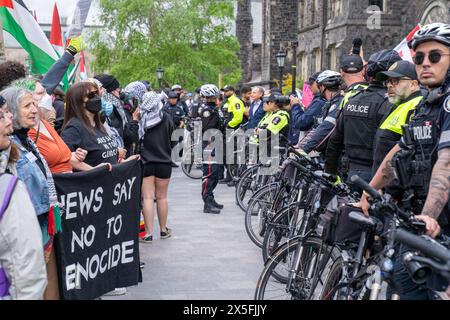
192,163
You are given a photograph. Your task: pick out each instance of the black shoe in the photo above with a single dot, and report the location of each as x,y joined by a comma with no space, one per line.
215,204
232,183
209,207
225,181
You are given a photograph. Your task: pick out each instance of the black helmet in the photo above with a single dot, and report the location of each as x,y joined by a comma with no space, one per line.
381,61
439,32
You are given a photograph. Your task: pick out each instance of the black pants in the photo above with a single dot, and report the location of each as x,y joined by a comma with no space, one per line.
210,179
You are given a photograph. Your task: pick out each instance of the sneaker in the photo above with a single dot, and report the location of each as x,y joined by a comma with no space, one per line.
117,292
146,239
166,234
142,265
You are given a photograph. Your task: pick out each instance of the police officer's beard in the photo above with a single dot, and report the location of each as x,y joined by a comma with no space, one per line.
395,99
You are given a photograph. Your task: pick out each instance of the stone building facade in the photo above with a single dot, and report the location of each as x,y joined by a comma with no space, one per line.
325,29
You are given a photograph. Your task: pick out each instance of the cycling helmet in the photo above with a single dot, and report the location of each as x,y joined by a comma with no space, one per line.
329,79
209,90
439,32
381,61
176,87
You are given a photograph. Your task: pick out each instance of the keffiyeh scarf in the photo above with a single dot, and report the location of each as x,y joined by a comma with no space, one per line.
137,88
151,113
108,97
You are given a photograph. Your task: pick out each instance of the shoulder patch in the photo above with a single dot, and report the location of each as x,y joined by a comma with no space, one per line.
206,113
332,108
276,120
447,104
238,106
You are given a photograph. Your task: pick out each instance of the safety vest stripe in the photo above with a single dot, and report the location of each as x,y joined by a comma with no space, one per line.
330,119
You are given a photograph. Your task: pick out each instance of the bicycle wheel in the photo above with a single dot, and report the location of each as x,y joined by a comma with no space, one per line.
190,166
281,227
259,212
246,187
330,287
307,282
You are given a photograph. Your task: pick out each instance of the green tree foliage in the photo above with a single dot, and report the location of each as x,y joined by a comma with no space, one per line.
190,39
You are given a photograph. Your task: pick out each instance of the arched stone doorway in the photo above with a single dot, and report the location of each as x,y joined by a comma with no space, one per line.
436,11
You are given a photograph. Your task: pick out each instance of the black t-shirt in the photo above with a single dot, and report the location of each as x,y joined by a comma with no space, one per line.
100,146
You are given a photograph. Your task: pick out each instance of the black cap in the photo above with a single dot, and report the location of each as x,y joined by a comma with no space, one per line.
352,63
228,88
313,78
172,95
400,69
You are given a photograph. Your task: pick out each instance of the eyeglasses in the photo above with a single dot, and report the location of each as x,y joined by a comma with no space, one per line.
394,81
434,56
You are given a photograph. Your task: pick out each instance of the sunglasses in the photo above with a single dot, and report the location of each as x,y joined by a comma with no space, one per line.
434,57
394,81
92,94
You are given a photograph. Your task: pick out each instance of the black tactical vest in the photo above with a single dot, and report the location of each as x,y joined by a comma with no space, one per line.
414,167
361,124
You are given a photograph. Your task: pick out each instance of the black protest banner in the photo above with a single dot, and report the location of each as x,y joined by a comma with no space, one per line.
98,249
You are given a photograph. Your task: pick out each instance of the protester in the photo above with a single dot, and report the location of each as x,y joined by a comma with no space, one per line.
155,131
83,127
33,170
22,267
126,126
9,72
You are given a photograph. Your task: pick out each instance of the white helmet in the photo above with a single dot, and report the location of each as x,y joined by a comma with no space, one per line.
209,90
439,32
176,87
329,79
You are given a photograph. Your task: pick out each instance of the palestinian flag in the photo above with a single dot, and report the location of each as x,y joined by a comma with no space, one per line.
56,38
20,23
83,72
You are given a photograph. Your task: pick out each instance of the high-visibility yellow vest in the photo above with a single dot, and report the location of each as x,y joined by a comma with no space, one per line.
398,117
236,107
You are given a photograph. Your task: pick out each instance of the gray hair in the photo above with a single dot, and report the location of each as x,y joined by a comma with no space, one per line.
260,89
13,97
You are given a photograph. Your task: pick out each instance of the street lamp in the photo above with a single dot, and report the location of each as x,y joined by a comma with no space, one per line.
160,75
281,60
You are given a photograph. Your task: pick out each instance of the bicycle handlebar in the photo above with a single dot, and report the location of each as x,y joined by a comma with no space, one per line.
366,187
427,247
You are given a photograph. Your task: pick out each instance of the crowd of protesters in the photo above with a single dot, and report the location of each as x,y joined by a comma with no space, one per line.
97,123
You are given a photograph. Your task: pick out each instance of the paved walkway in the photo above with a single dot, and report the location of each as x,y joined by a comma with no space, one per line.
207,257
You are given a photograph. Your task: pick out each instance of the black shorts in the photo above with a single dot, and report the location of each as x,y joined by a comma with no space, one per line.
158,170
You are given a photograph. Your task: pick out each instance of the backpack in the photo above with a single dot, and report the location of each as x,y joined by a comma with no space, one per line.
7,185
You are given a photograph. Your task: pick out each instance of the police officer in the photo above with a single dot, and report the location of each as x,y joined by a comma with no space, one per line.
358,122
209,114
233,111
329,83
175,109
404,93
179,91
423,166
304,120
275,121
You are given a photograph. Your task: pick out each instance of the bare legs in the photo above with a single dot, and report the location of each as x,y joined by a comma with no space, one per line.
155,188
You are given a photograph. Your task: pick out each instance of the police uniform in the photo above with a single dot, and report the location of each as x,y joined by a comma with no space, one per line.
390,131
355,132
210,118
430,131
176,112
324,125
234,111
275,123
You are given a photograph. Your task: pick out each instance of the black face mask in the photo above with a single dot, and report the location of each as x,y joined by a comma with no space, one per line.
94,105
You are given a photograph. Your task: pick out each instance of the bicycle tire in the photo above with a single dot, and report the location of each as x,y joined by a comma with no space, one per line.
259,205
280,226
269,278
244,184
